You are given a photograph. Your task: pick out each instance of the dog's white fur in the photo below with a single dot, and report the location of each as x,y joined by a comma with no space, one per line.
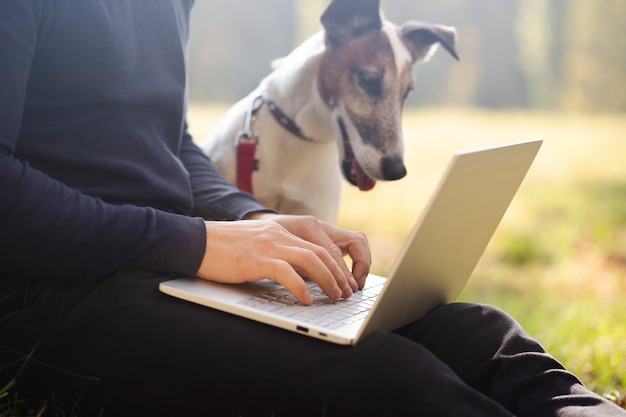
296,176
293,175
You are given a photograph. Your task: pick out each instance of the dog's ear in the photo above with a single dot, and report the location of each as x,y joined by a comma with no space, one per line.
348,19
423,38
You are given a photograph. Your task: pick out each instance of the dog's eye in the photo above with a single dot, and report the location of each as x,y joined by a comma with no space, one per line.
371,83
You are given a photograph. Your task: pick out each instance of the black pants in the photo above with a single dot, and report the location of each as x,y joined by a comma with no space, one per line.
123,347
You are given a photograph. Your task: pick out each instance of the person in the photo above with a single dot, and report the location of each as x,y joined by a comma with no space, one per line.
104,195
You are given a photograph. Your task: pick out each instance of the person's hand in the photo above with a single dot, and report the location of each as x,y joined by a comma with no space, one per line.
285,249
338,242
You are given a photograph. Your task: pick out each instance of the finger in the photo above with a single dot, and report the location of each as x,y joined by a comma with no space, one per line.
338,256
283,273
355,245
314,262
361,262
310,229
336,263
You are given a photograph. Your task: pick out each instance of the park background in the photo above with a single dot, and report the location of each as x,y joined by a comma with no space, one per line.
554,69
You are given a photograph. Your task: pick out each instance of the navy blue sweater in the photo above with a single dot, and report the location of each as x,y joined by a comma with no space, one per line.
97,171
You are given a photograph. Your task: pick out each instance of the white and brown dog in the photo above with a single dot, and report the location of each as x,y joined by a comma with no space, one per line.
332,106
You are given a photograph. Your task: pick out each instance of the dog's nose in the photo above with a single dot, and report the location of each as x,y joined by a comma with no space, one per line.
392,168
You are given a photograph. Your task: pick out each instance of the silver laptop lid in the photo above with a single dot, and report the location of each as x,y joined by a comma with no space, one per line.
447,242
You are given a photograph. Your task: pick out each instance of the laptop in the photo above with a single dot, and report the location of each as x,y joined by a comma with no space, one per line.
432,268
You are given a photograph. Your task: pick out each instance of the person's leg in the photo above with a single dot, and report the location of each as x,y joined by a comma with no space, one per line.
490,351
156,355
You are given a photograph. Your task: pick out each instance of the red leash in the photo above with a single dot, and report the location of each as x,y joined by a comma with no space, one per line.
245,165
245,143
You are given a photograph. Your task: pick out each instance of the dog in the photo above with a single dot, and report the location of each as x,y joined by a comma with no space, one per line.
332,107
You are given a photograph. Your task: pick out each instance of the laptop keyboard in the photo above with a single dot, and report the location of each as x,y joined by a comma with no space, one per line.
323,311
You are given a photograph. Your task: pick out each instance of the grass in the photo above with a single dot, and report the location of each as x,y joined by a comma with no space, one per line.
13,405
557,263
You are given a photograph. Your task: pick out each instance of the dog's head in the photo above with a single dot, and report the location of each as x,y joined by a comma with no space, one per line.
365,77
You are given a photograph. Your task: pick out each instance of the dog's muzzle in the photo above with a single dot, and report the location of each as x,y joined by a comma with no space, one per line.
391,168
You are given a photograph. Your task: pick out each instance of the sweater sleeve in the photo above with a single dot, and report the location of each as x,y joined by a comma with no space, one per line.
52,231
214,197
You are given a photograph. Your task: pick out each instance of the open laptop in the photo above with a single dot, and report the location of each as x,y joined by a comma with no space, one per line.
432,268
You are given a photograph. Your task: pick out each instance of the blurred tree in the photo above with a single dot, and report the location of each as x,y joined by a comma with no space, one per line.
233,43
593,62
574,53
538,28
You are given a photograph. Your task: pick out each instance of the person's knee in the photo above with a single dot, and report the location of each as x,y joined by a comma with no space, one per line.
461,329
480,320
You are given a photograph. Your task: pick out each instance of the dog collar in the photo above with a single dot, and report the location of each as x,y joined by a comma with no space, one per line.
285,121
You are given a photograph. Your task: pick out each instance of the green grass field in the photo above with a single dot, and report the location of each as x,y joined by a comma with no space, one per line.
557,263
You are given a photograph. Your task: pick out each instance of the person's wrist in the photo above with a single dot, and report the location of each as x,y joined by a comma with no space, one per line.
259,215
